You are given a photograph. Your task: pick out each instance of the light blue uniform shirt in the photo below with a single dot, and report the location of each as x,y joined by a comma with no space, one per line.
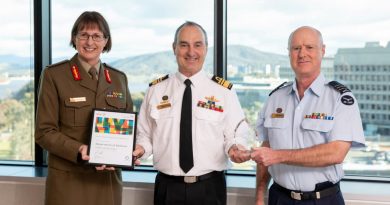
323,115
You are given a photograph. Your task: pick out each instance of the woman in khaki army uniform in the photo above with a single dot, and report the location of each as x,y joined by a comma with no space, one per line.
67,95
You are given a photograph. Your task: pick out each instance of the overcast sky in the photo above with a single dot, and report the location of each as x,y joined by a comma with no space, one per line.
140,27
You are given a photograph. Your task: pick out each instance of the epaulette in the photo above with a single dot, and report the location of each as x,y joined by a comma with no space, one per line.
222,82
280,86
105,65
154,82
339,87
58,63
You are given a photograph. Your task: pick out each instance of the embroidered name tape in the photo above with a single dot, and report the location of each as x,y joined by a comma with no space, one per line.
78,99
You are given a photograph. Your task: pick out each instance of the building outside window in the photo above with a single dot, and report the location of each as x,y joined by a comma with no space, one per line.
257,53
16,82
257,58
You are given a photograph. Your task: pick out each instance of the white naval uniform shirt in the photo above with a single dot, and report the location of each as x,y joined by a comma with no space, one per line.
213,132
289,123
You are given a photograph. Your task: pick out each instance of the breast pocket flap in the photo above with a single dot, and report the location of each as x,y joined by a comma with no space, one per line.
317,125
275,123
208,115
161,113
116,102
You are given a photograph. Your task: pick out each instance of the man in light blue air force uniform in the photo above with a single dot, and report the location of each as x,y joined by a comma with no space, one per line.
307,127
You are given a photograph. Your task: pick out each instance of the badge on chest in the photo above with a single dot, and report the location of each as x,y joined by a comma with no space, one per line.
114,94
211,104
319,116
164,103
278,114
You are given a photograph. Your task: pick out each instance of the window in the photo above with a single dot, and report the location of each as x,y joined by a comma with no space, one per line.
16,81
257,52
257,39
142,35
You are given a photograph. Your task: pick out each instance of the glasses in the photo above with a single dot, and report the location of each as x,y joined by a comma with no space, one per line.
95,37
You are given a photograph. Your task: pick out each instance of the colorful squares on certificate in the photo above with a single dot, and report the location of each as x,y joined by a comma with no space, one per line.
114,126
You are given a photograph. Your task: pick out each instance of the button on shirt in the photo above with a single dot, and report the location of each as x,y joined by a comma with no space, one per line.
320,117
213,131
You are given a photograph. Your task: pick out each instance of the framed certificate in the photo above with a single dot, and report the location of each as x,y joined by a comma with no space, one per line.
112,138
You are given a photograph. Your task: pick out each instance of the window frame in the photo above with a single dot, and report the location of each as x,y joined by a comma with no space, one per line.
43,49
42,58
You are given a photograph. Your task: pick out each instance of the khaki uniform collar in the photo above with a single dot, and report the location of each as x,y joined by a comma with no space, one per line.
87,66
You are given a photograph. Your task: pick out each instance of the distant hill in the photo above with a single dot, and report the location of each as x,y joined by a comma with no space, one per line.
246,56
165,62
14,59
13,65
161,62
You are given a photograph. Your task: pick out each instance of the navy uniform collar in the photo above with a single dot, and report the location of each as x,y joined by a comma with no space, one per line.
195,79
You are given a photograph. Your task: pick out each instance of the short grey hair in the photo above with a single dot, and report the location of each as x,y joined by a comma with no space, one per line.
305,27
190,23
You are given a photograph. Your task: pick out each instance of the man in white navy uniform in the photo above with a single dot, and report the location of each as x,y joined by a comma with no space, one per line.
306,128
217,126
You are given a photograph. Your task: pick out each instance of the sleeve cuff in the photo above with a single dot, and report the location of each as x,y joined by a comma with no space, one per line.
148,151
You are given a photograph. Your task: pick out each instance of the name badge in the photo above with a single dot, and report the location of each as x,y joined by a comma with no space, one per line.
164,103
279,113
78,99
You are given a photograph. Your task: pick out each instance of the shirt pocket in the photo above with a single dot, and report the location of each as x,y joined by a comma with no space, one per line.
115,103
317,125
275,123
209,125
278,133
316,131
212,116
163,121
163,118
77,113
162,113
